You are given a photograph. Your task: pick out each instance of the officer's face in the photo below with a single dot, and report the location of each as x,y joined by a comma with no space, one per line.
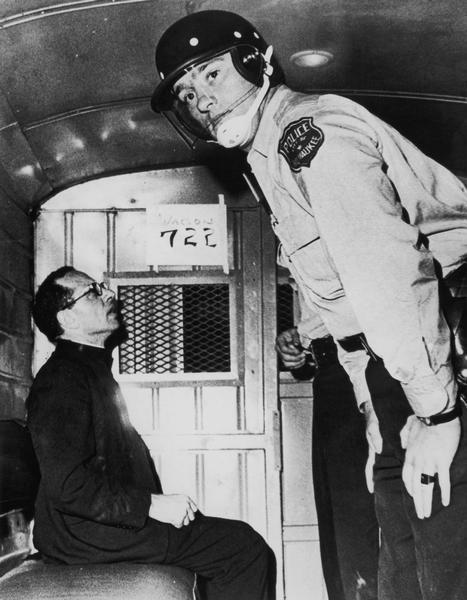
212,92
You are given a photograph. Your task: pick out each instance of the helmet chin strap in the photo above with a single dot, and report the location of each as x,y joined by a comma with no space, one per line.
235,131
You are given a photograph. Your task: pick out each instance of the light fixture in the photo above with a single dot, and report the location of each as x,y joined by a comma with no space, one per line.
312,58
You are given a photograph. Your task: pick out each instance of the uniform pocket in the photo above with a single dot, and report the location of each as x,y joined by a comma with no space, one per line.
308,258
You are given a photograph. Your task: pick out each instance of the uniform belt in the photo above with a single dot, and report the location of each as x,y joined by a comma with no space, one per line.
355,342
324,350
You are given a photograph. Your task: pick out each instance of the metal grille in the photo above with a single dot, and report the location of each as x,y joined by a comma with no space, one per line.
285,311
285,303
175,328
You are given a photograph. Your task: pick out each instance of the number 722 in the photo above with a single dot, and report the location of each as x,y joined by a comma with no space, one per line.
190,236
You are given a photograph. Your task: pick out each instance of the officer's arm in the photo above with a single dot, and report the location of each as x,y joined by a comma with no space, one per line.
388,276
387,273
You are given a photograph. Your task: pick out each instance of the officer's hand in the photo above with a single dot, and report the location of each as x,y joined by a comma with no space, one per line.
370,463
375,442
176,509
290,350
429,450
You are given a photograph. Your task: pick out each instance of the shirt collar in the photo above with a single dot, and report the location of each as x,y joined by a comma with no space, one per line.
264,133
83,352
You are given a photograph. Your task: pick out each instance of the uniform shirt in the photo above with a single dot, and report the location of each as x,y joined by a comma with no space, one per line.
360,213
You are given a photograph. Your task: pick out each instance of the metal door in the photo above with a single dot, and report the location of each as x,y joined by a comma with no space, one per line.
206,407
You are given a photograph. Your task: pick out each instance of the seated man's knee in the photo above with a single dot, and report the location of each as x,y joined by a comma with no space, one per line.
253,542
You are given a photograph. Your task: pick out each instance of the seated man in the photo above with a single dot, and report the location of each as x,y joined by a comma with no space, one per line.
100,499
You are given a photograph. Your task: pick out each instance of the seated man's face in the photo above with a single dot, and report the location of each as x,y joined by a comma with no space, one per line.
95,315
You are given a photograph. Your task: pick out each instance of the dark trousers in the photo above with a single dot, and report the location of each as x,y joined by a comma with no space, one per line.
419,558
348,529
232,560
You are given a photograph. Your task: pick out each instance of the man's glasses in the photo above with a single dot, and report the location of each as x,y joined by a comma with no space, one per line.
93,288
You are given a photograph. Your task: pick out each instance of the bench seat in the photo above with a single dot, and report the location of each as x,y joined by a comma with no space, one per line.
35,580
26,577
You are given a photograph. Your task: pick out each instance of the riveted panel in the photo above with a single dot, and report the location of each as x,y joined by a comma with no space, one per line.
15,355
14,219
16,262
15,316
13,395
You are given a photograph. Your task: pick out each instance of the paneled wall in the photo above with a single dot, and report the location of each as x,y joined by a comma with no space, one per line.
302,563
22,182
15,301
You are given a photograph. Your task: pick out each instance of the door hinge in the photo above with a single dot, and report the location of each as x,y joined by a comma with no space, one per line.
276,428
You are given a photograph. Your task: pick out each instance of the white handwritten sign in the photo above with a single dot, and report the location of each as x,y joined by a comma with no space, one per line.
187,234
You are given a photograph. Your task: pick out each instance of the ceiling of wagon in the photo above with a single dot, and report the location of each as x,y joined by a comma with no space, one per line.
76,77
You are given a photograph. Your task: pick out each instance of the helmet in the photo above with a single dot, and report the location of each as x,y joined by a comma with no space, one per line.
202,35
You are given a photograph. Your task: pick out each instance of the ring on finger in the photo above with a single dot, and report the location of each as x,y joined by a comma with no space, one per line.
426,479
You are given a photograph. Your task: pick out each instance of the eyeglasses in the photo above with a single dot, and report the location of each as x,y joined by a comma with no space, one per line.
93,288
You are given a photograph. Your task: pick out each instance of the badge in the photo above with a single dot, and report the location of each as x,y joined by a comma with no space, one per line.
300,142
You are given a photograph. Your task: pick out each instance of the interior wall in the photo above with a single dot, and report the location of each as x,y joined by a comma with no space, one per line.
15,302
22,182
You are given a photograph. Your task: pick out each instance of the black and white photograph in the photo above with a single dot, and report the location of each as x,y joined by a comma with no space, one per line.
233,300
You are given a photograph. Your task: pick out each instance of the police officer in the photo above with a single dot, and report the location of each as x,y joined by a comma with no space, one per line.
361,215
347,523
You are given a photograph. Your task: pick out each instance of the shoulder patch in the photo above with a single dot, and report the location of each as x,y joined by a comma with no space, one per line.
300,142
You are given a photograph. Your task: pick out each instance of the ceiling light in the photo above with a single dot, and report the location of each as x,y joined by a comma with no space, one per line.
312,58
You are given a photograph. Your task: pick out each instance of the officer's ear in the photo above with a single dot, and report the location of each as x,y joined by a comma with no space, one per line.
249,62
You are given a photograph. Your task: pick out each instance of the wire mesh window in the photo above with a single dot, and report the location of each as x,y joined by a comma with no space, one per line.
285,307
175,328
285,311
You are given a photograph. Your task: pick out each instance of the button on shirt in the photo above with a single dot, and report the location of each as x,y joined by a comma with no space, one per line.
359,226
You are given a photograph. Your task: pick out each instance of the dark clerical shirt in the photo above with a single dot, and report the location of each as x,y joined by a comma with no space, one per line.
85,511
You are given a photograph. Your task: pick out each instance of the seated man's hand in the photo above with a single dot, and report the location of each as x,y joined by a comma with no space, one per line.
290,350
429,450
176,509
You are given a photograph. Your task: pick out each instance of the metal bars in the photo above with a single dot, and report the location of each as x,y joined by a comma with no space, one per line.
175,328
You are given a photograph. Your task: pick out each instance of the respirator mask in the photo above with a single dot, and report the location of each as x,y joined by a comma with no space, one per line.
235,131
